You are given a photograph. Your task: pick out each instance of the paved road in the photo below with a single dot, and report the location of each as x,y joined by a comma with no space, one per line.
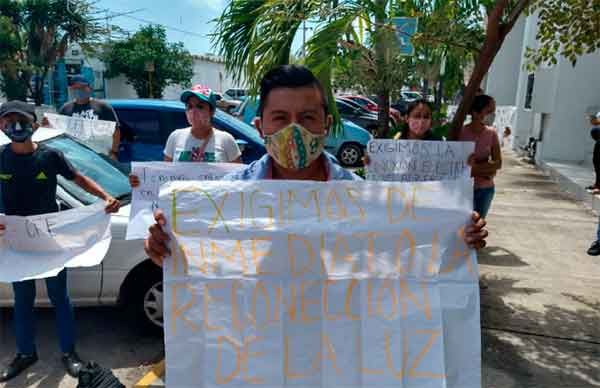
541,312
103,337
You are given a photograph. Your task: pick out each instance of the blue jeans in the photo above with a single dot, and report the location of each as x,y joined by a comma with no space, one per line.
482,200
598,232
25,319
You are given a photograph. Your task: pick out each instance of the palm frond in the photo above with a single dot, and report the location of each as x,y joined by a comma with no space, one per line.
324,46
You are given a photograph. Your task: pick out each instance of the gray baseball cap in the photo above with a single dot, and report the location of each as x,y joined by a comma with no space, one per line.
19,107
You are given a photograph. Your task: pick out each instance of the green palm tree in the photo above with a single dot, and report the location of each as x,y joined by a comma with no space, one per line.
254,36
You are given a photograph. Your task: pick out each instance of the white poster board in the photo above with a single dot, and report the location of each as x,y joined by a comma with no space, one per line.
308,284
506,116
39,247
152,175
418,160
96,134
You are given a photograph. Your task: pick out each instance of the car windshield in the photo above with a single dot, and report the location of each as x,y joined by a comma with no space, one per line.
239,126
92,165
412,95
360,101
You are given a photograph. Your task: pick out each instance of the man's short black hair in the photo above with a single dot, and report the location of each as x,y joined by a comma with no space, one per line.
288,76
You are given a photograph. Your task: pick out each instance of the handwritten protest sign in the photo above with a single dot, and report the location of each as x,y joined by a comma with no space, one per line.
152,175
417,160
309,284
96,134
38,247
506,116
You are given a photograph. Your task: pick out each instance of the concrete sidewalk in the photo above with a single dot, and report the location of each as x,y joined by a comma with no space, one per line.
541,312
573,178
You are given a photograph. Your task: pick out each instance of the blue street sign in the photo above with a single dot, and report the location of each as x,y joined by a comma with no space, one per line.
405,29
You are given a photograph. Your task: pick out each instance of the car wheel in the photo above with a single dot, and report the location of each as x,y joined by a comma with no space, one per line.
144,299
350,154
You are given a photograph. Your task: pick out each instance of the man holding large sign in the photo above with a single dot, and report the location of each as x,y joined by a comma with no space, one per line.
28,182
294,121
341,284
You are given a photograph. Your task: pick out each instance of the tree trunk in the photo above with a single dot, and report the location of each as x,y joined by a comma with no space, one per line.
484,62
496,32
425,88
439,94
383,119
38,92
383,113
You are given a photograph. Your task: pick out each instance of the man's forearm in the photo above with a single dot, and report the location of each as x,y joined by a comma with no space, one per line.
91,187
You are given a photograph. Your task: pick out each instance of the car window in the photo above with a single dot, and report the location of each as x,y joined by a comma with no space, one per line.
360,101
92,165
173,120
144,125
344,108
235,127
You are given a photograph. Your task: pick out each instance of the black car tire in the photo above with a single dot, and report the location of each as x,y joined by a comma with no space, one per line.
350,154
143,298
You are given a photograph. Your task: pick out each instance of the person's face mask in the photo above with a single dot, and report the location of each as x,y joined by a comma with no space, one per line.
198,117
490,119
419,126
19,131
294,147
81,94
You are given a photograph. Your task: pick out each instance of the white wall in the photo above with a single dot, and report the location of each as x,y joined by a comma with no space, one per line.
561,96
524,117
503,76
211,74
567,135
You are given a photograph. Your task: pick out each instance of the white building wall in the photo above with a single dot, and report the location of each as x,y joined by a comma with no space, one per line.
209,73
524,117
566,136
503,76
561,97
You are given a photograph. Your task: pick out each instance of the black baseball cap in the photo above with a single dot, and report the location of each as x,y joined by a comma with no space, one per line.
19,107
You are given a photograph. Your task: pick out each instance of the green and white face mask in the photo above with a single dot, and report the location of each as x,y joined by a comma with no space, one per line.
294,147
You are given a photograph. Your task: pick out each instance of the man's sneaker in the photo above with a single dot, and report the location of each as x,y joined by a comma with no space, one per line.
72,363
594,249
18,365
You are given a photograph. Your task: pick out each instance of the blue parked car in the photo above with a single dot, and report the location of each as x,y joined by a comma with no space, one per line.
146,125
348,146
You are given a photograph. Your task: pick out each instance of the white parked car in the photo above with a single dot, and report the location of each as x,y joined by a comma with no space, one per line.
126,276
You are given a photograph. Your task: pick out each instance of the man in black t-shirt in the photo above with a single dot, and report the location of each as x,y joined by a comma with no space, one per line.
91,109
28,180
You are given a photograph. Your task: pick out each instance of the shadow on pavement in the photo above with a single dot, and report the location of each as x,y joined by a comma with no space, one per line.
554,195
555,347
499,257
